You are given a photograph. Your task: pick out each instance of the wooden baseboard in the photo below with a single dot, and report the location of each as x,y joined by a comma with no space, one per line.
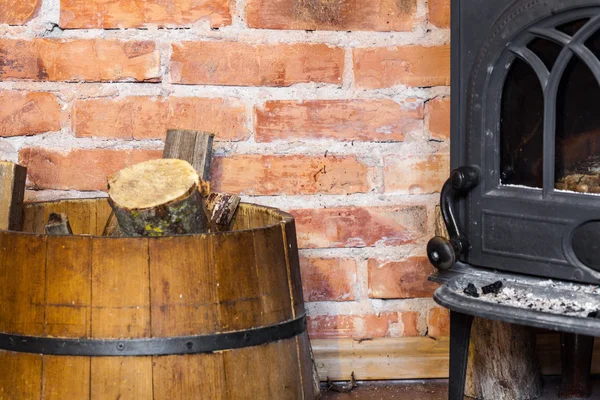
381,359
411,358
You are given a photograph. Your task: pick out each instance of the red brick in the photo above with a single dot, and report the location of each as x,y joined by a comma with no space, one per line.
417,174
369,326
438,322
438,113
410,65
81,169
239,64
328,279
439,13
28,113
366,120
360,227
79,60
410,320
150,117
346,15
18,12
272,175
400,280
130,14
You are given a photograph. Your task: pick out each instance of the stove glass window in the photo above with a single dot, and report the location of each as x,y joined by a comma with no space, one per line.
577,162
577,117
522,124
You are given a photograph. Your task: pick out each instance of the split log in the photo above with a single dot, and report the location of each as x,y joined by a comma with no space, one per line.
112,228
58,224
221,209
157,198
503,363
12,192
194,147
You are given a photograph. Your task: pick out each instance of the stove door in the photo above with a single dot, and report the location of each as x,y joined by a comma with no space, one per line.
533,129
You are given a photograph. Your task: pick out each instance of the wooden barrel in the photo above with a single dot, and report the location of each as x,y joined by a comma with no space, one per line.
215,316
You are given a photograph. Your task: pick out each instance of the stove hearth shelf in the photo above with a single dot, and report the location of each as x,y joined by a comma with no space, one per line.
567,307
538,302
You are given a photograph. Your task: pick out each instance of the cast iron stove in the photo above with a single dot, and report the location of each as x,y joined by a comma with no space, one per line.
522,204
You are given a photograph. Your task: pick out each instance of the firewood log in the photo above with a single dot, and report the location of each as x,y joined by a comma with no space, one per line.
194,147
58,224
112,228
12,191
221,209
157,198
503,364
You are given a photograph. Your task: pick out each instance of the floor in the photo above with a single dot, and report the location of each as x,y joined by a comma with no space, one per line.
427,390
414,390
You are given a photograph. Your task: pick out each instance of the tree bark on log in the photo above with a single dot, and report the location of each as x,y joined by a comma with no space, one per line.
221,209
503,363
157,198
112,228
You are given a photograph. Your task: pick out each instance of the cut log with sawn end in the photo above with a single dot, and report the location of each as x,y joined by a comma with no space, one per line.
157,198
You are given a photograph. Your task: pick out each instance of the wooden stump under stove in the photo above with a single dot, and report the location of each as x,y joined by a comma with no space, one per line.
503,363
90,287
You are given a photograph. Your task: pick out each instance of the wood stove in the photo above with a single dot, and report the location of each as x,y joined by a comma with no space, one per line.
524,195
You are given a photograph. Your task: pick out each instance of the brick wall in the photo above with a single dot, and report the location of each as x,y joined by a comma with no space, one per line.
336,110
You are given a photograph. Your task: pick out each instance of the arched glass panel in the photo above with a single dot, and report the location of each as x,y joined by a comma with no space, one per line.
577,163
546,50
572,27
521,127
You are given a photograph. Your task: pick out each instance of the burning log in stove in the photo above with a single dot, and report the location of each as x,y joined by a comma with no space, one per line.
583,177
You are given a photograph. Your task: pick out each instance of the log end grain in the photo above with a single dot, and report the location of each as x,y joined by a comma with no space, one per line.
157,198
152,183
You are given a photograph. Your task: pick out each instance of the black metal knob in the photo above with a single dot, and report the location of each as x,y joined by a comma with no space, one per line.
441,253
464,178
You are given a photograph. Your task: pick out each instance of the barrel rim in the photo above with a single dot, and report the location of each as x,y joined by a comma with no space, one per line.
286,219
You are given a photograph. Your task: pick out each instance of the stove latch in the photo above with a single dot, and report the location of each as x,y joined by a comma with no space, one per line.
443,252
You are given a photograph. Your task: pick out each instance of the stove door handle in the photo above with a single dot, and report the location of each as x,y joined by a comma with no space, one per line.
442,252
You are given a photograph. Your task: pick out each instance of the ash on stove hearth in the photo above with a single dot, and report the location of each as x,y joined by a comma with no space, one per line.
577,300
